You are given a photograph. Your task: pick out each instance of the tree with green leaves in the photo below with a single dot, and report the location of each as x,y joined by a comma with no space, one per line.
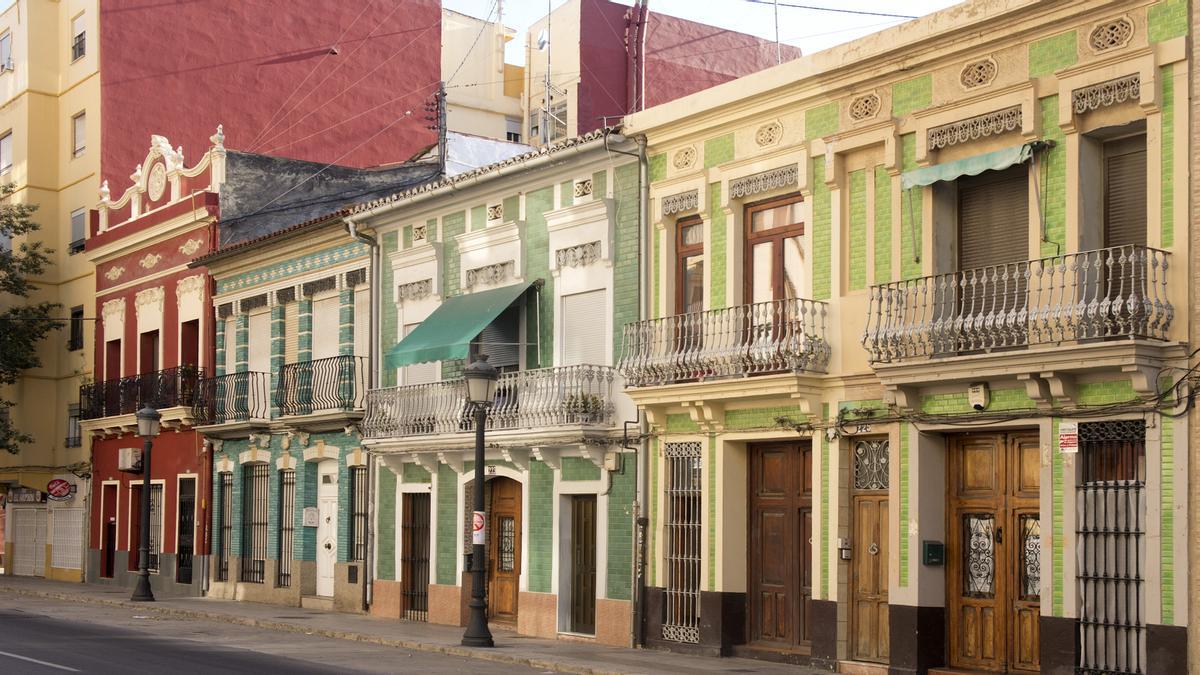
22,324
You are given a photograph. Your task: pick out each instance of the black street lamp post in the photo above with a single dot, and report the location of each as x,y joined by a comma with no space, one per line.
481,389
148,423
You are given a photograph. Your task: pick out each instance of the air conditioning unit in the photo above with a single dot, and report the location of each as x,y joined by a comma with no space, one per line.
129,460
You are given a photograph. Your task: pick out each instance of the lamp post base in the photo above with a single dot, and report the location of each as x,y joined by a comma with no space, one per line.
142,592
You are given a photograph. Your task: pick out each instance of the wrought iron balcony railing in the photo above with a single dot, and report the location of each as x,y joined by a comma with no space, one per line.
765,337
233,397
1118,292
324,385
160,389
528,399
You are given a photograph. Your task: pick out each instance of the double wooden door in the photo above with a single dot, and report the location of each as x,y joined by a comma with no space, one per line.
504,549
994,555
780,555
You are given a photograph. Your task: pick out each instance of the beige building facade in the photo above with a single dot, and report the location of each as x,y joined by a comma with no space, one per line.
916,329
483,93
49,150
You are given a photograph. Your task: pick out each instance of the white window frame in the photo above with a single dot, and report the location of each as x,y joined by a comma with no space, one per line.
75,33
78,139
6,139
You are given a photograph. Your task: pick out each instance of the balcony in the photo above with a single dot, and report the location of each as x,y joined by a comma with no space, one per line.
162,389
567,396
1093,296
328,387
233,398
777,336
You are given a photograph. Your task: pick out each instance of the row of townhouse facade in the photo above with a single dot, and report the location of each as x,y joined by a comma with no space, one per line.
842,363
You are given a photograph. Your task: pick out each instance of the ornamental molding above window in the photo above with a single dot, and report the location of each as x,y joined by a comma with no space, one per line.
974,128
151,299
678,203
685,158
580,255
978,73
1102,94
193,285
1111,34
490,275
764,181
113,310
416,290
864,107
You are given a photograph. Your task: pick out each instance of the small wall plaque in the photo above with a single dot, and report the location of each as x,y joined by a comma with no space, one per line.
310,516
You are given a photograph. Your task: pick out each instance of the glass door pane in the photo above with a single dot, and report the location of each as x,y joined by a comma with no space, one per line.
762,286
794,281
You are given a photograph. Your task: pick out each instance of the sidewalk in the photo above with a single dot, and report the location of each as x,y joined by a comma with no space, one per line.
557,655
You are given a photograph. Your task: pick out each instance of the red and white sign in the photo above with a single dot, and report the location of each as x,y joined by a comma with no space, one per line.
1068,437
59,490
478,530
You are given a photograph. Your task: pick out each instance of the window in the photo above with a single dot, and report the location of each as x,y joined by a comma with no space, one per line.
287,527
6,60
75,341
189,343
1125,192
583,334
225,543
512,130
78,38
79,134
73,436
558,120
358,519
6,152
993,218
683,496
255,493
689,266
775,250
156,525
78,221
148,352
420,373
500,340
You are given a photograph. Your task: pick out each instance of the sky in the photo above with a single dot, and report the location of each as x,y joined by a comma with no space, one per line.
811,30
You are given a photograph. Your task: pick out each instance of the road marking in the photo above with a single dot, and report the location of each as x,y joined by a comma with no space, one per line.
40,663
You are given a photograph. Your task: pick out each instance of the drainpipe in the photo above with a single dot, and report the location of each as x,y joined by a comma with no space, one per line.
640,518
373,367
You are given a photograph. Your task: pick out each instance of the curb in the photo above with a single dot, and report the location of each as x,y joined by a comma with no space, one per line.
449,650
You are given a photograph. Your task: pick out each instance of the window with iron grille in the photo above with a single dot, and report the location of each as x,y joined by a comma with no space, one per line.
358,519
683,535
1111,504
75,338
73,439
78,37
255,493
156,525
225,503
78,134
287,526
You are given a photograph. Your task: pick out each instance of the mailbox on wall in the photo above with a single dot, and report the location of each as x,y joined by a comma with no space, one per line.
933,553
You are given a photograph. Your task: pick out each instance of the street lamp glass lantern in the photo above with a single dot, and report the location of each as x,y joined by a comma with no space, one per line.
148,422
481,381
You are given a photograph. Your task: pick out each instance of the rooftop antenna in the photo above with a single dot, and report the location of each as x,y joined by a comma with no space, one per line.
778,49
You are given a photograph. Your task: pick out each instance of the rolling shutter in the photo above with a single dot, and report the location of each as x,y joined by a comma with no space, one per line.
1125,192
500,338
993,218
421,373
362,320
583,324
291,331
230,345
325,316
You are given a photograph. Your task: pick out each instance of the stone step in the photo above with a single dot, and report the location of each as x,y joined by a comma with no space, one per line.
862,668
316,602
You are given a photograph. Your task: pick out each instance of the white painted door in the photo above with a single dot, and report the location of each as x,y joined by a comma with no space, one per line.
29,541
327,518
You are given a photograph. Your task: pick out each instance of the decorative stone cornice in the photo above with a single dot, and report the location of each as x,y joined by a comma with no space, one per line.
764,181
489,275
678,203
150,299
415,290
1112,92
579,255
974,128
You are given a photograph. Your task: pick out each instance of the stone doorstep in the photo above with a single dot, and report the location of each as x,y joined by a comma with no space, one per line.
450,650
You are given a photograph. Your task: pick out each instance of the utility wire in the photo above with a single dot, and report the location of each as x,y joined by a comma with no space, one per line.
478,35
833,9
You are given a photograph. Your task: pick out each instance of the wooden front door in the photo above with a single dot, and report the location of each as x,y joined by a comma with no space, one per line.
504,549
414,556
994,554
583,564
869,627
780,544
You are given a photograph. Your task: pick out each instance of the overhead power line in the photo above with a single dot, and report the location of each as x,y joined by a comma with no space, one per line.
832,9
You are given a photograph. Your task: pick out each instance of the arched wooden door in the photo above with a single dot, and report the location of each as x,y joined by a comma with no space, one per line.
504,549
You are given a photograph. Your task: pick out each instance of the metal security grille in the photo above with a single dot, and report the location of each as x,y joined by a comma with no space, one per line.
224,499
287,526
871,465
414,556
683,502
156,525
358,522
1111,548
255,493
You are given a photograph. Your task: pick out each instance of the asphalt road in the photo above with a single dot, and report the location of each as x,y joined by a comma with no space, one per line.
53,637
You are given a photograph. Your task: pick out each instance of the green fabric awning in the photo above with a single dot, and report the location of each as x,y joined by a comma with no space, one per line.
447,332
969,166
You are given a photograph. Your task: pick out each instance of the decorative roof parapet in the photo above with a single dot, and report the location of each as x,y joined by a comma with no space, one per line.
684,201
1086,99
974,128
764,181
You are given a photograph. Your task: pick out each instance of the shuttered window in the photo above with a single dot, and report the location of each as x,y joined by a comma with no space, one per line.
1125,191
993,218
500,340
420,373
583,328
362,320
260,342
230,345
325,327
291,331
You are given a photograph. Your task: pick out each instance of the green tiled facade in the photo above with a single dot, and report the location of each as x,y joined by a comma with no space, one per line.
681,423
912,95
827,489
743,419
1168,19
1166,77
387,310
1056,522
385,529
1052,180
821,121
626,272
883,225
718,150
712,498
1053,53
576,468
857,263
822,236
541,527
905,498
657,167
912,215
1167,521
620,530
446,539
717,236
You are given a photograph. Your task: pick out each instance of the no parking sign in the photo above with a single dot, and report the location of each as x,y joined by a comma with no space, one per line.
478,534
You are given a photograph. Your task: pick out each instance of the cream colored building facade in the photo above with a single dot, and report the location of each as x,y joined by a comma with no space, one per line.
50,130
483,93
916,314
